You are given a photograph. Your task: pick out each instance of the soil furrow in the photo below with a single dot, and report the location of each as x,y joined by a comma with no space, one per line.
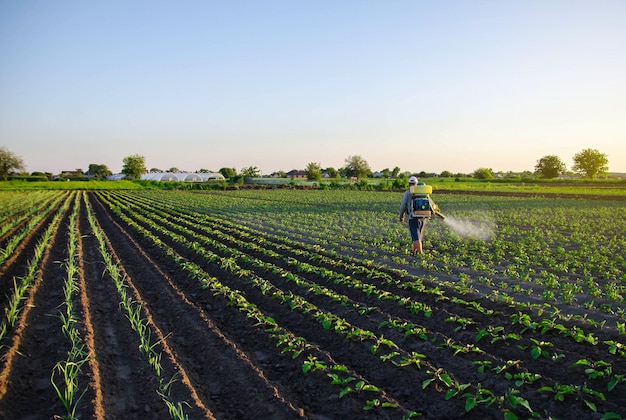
126,382
26,389
397,382
217,369
558,370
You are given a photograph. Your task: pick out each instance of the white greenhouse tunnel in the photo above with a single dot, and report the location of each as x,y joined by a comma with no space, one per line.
174,176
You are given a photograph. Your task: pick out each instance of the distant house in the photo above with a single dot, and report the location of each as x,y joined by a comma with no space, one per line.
296,174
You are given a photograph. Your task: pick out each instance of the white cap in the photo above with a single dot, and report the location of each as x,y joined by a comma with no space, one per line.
413,180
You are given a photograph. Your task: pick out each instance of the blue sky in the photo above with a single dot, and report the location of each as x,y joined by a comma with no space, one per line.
422,85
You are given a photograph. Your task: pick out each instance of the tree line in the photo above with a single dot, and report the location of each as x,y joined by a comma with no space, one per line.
589,163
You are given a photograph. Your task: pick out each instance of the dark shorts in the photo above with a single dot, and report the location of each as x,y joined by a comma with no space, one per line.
416,227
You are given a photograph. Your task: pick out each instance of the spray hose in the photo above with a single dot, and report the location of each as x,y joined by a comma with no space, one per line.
435,209
439,214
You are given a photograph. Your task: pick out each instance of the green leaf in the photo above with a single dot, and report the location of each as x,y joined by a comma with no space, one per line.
480,334
451,393
340,368
335,378
470,403
345,391
426,382
510,416
447,379
611,416
371,404
591,405
535,352
515,401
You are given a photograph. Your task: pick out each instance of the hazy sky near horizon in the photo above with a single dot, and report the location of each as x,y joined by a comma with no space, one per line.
422,85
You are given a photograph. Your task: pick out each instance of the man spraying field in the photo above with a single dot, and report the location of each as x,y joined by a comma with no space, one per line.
419,207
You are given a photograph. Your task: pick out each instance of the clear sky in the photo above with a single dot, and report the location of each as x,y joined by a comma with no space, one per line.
422,85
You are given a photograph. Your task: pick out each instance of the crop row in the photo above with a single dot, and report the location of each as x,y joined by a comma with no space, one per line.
562,253
544,323
22,302
21,286
465,328
138,322
60,329
316,359
153,219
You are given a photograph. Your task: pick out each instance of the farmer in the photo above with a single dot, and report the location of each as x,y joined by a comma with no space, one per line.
416,224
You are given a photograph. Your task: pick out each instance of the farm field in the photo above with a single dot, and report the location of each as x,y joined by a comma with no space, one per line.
281,304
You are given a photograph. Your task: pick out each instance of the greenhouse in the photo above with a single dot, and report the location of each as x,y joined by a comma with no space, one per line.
174,176
181,176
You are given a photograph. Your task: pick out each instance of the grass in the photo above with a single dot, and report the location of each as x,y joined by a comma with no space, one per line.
608,187
70,185
561,186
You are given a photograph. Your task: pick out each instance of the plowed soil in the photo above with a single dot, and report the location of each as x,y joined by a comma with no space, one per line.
225,366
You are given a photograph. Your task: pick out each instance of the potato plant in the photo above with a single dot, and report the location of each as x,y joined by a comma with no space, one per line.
271,242
515,310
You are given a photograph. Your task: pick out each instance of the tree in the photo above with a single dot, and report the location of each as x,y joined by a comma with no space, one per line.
395,172
47,175
550,166
134,166
250,172
357,166
591,163
9,162
446,174
483,173
401,181
228,172
332,172
313,171
98,171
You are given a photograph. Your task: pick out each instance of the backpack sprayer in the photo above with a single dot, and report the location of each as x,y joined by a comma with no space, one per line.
421,203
